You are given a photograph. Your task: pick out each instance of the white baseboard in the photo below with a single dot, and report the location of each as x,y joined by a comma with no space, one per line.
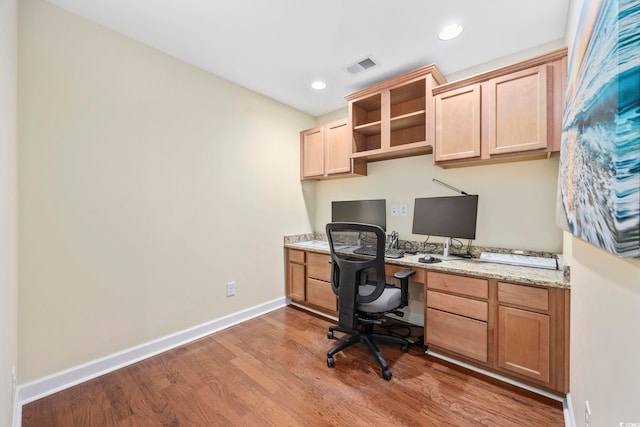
569,417
50,384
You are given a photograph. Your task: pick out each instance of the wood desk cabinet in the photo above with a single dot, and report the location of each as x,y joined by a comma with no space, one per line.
456,314
296,274
319,292
517,330
308,280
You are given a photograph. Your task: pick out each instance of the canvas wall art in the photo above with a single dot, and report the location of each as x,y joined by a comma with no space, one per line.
599,185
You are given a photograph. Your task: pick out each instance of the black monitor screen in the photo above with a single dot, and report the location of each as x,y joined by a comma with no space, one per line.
362,211
453,216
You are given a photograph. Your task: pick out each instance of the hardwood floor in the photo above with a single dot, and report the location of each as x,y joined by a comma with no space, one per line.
272,371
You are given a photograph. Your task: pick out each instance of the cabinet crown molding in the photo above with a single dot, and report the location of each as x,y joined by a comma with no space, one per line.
522,65
432,69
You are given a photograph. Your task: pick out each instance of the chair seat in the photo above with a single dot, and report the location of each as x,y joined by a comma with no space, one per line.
390,299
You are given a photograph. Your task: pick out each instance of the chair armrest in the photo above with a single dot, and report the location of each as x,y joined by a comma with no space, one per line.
403,276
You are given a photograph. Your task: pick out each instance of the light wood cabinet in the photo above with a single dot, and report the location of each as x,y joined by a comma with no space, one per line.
456,315
533,334
325,152
319,292
518,111
308,280
520,331
312,151
523,342
511,111
457,124
295,275
394,118
517,330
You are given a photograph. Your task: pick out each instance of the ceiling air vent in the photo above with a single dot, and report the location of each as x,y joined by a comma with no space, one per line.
360,66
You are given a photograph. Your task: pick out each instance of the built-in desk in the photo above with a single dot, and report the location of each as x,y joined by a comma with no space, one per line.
508,319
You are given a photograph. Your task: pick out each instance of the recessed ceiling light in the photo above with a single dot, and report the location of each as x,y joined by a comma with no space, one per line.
450,32
318,85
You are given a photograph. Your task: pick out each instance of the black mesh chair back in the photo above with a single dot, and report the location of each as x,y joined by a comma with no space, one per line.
359,282
348,272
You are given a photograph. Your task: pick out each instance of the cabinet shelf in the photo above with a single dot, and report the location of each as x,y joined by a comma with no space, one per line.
369,129
409,120
394,152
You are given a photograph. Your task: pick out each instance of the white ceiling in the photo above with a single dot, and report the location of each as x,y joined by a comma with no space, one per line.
278,47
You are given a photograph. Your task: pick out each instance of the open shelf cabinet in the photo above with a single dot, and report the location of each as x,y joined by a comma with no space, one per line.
394,118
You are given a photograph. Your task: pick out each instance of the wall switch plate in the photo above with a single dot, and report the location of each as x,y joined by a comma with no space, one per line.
394,210
231,289
403,209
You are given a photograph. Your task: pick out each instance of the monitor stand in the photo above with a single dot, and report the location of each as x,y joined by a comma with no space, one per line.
445,255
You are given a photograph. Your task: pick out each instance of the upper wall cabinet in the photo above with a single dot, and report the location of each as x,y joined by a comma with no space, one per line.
394,118
325,153
511,111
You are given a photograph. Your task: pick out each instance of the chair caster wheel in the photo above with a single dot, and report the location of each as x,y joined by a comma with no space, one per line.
331,362
386,374
330,334
405,348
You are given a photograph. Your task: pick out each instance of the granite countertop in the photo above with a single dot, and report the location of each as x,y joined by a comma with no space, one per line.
474,267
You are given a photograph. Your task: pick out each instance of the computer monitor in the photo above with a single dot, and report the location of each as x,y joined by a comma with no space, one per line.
450,217
362,211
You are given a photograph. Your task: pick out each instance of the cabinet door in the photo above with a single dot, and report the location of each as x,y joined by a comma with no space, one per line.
337,148
296,286
311,145
518,111
523,342
457,124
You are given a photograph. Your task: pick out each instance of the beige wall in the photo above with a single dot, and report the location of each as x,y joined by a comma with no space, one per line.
145,185
8,206
516,207
605,319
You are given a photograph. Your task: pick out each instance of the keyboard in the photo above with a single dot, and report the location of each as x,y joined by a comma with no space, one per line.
521,260
371,251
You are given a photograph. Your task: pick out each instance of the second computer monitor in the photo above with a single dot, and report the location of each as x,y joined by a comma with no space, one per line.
450,217
362,211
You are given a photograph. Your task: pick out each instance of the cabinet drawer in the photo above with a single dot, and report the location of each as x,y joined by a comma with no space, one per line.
320,293
318,266
469,286
458,305
296,256
459,334
524,296
391,269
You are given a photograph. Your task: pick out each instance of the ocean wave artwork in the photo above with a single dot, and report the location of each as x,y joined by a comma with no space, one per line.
599,184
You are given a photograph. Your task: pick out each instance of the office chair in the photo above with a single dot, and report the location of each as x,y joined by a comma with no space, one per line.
364,297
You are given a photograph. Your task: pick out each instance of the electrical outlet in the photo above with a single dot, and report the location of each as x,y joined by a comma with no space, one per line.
403,209
231,289
394,210
587,414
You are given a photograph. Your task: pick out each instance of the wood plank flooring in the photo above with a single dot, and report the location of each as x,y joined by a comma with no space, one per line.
272,371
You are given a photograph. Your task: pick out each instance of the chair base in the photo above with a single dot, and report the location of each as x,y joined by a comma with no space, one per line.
367,336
